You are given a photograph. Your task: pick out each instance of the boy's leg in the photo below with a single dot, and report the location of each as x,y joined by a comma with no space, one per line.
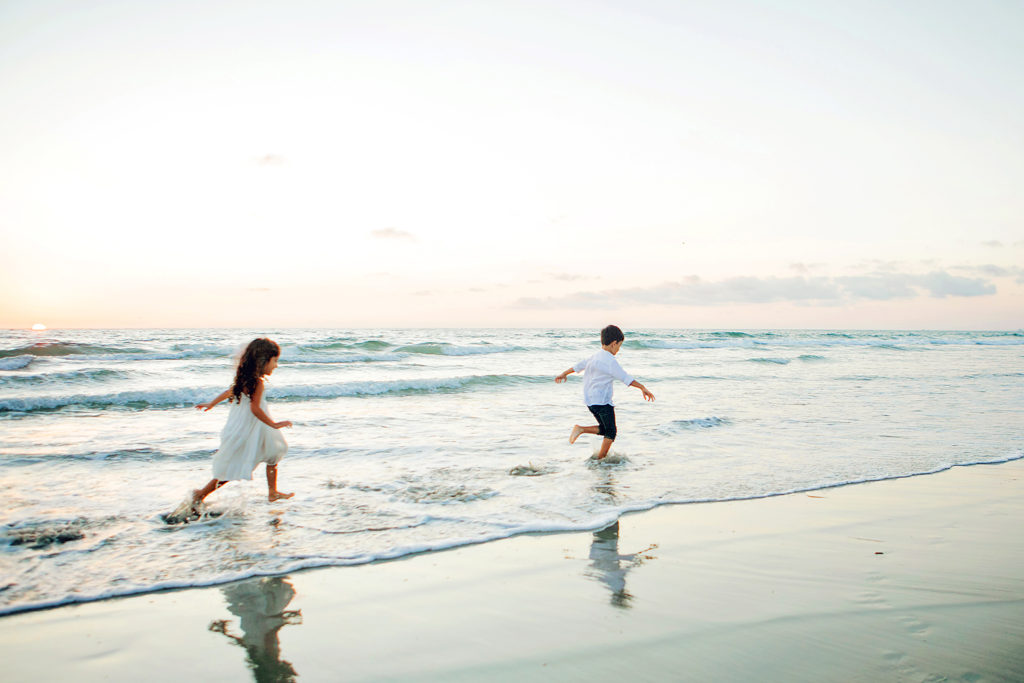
605,415
598,412
577,430
272,492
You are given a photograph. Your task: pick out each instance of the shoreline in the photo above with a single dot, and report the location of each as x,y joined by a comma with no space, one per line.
456,545
888,580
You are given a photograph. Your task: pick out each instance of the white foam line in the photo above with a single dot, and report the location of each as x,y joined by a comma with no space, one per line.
316,561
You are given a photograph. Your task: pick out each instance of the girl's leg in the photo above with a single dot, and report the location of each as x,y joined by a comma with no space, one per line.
606,446
577,430
272,492
200,494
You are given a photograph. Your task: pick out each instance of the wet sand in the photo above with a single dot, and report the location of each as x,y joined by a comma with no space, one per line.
913,579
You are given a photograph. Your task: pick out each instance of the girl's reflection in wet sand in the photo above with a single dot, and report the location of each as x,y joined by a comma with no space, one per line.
260,605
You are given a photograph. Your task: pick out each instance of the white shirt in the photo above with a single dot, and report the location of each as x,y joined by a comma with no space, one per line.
601,370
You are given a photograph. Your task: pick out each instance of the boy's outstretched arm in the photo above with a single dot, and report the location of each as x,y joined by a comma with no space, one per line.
648,396
561,378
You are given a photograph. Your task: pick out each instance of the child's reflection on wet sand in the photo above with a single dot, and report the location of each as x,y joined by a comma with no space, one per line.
260,605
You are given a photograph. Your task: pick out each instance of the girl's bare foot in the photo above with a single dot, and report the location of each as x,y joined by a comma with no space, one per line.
277,495
576,431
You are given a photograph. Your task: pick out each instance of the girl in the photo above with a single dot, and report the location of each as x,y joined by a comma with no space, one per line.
250,436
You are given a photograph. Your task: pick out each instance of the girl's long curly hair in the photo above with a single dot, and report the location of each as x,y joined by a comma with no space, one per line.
251,365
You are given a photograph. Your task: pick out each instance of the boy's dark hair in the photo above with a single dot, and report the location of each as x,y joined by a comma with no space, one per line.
611,334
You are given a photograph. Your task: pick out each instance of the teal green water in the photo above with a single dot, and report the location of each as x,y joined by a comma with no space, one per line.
412,440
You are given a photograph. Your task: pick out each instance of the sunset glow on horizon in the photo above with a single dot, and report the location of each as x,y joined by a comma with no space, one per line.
408,164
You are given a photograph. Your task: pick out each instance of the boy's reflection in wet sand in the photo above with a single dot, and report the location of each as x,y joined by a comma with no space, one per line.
259,605
606,564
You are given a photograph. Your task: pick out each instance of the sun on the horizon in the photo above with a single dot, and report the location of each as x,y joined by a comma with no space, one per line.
39,327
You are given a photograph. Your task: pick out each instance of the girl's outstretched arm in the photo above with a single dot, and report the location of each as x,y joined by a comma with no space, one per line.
254,405
561,377
206,406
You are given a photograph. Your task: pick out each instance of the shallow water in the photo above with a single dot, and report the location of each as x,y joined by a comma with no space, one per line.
412,440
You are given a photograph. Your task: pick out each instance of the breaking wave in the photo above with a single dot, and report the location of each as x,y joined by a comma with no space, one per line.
677,426
62,378
441,349
16,362
193,395
61,349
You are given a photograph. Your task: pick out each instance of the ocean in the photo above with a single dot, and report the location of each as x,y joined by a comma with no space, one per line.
416,440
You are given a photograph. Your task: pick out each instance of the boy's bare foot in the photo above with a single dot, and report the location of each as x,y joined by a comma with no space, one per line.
576,431
277,495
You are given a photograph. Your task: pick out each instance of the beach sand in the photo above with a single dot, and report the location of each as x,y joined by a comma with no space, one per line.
915,579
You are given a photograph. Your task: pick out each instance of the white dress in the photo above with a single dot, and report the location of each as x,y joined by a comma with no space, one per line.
245,442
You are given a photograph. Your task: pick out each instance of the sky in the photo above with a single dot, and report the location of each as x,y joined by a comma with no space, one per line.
549,163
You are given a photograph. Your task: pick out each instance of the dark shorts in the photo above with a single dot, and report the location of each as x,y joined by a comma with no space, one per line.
605,415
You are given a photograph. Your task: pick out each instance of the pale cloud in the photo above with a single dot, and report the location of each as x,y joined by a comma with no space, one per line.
992,270
993,243
889,286
570,277
694,291
392,234
877,287
270,160
488,288
877,266
942,284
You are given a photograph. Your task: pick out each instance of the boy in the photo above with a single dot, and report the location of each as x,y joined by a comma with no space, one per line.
601,369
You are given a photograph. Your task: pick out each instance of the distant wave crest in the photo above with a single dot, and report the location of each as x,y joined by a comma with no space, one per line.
61,349
368,345
328,359
191,396
142,454
709,422
770,361
60,378
442,349
16,362
894,342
